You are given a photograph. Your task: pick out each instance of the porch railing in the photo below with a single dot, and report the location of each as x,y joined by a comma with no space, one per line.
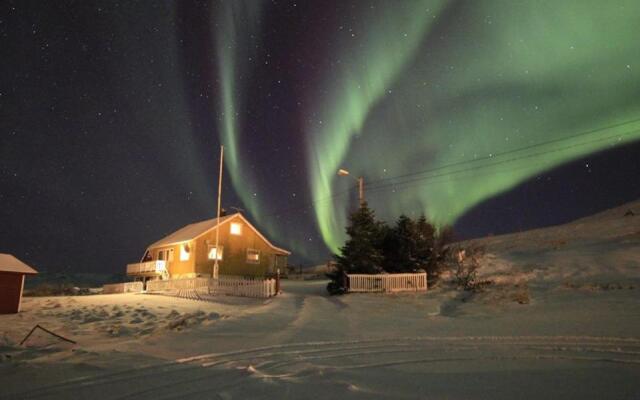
158,267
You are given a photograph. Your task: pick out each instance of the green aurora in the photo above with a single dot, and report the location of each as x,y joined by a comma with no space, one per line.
238,24
455,88
421,90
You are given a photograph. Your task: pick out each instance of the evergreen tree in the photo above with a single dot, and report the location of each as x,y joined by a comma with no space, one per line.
362,251
373,247
399,246
425,238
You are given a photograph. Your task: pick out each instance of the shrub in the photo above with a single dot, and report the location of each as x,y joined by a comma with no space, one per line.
467,262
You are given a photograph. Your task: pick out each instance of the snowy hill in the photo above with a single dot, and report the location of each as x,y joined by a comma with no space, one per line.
603,247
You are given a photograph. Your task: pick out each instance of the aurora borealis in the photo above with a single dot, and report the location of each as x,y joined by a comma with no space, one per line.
237,22
417,86
493,116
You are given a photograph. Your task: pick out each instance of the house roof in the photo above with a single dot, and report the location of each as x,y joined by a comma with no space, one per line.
197,229
9,263
190,232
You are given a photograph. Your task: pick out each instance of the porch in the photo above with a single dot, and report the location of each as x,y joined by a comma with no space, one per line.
148,269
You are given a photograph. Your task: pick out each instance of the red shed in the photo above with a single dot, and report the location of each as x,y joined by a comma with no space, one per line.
12,272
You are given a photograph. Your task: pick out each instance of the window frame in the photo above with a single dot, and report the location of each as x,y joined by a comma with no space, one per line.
238,225
250,261
213,246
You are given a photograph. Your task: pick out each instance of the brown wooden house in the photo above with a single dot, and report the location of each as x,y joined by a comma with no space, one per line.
12,272
191,252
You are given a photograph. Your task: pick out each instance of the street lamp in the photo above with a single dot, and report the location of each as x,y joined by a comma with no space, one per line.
344,172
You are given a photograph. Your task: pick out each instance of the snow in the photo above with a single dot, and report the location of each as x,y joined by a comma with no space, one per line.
576,338
190,231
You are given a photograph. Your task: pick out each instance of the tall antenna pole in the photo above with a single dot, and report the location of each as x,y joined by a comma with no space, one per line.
215,263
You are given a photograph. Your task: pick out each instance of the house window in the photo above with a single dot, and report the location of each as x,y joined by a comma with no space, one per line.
170,255
213,252
161,255
253,256
184,252
236,228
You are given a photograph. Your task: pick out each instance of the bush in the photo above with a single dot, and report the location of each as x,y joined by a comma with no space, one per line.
467,262
337,284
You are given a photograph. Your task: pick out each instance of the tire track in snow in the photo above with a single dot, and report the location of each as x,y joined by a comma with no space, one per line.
622,350
273,358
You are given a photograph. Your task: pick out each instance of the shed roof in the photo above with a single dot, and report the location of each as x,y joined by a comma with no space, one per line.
9,263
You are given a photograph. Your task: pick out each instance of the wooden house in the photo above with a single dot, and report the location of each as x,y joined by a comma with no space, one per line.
191,251
12,273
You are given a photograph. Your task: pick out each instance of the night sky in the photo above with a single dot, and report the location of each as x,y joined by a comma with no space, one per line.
494,116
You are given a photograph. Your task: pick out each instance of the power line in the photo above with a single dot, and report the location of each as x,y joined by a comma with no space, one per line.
417,178
507,152
500,162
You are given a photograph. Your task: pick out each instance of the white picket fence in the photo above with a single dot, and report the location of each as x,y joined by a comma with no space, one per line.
125,287
363,283
201,288
168,285
237,286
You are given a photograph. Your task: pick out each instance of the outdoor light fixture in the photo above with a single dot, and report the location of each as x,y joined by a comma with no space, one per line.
184,252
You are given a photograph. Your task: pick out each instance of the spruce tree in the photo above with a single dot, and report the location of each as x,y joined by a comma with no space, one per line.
399,246
425,244
361,254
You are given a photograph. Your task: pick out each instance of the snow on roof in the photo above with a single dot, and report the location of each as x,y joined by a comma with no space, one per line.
190,232
197,229
9,263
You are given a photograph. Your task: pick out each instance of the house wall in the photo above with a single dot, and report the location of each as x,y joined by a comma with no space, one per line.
10,292
234,253
178,268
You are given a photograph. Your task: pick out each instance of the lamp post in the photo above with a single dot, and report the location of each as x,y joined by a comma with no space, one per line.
344,172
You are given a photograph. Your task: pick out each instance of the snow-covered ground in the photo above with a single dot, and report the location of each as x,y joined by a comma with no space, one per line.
576,337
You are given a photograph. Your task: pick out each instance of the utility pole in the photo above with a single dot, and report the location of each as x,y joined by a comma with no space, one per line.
215,262
344,172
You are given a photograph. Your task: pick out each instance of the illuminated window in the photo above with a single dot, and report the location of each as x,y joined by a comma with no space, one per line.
184,252
253,256
236,228
213,252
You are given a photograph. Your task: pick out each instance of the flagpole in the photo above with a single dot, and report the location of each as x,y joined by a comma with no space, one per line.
215,263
